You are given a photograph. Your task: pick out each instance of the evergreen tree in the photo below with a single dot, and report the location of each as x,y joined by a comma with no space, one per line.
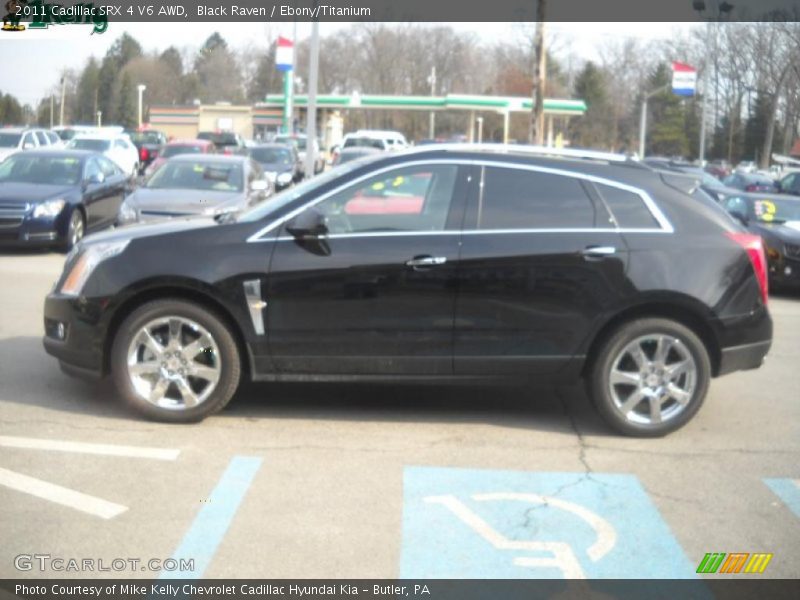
666,135
88,93
592,129
121,52
126,113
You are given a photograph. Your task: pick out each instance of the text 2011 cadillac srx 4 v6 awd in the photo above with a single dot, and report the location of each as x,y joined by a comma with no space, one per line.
444,262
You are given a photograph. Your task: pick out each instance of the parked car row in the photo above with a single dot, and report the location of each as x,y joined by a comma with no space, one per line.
20,139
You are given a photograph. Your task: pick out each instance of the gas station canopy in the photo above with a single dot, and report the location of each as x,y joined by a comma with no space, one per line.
501,104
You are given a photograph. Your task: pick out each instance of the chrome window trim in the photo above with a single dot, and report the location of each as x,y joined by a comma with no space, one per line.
664,225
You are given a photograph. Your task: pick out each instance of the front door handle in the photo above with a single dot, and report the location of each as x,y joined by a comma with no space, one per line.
426,261
598,251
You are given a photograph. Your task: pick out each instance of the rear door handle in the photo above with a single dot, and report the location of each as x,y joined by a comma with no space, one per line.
598,251
426,261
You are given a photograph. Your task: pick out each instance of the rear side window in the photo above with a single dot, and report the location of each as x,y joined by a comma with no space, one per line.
629,209
522,199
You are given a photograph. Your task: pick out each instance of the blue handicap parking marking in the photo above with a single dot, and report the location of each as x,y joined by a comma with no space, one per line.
465,523
788,490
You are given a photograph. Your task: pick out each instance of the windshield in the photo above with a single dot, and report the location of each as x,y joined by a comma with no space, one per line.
9,140
180,149
281,199
94,145
299,142
272,155
364,142
197,175
775,210
145,137
46,170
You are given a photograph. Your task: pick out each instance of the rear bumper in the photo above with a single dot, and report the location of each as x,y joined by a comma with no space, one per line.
742,358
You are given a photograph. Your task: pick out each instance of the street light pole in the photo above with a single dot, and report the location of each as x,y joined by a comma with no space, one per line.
643,118
432,121
311,107
141,88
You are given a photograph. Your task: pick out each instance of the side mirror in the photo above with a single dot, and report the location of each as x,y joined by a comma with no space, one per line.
308,224
259,185
739,217
95,178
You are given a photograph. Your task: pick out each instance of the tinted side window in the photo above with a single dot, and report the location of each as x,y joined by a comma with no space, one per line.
521,199
54,139
407,199
28,139
629,209
42,139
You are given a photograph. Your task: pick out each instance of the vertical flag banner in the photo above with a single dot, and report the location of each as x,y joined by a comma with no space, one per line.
284,54
684,79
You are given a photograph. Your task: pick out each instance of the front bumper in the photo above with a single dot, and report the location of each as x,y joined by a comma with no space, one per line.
34,231
74,334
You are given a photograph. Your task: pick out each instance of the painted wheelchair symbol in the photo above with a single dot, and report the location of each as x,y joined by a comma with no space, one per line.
562,555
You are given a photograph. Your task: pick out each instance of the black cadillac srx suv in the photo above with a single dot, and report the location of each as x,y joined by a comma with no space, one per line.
443,262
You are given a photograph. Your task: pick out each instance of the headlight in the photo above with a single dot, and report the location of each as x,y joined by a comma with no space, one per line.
88,259
284,178
50,209
126,213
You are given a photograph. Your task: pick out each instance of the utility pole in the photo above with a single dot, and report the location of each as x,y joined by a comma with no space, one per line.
141,88
63,95
52,108
311,107
536,129
432,121
643,118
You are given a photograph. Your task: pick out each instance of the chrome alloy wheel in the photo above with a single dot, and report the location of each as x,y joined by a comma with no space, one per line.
173,363
653,379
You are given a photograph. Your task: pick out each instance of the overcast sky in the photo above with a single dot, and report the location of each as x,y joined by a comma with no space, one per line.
40,55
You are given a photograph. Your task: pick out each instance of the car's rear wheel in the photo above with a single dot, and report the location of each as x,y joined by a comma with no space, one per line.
76,228
175,361
650,377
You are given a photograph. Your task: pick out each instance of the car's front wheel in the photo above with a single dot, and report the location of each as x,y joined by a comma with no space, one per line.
649,377
76,228
175,361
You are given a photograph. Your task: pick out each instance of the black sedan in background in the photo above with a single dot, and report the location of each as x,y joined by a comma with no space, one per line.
52,198
149,144
777,220
281,164
750,182
191,184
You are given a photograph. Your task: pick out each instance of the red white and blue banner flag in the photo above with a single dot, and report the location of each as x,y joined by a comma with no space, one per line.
684,79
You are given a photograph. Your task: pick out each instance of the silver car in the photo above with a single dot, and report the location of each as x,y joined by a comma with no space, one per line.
191,184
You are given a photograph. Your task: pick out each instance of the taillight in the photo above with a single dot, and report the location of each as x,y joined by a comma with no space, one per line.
755,251
143,154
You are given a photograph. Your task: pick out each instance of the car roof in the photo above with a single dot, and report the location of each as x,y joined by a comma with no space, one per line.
276,145
195,141
81,154
216,158
17,129
99,136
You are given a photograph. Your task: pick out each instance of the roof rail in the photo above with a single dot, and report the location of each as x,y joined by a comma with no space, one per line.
527,149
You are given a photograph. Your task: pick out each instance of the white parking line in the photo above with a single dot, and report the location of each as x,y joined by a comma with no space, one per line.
86,448
60,495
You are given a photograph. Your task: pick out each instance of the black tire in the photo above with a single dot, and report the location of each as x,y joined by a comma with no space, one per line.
600,390
76,229
229,359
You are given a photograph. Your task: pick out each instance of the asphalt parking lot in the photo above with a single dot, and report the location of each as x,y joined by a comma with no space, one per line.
369,481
